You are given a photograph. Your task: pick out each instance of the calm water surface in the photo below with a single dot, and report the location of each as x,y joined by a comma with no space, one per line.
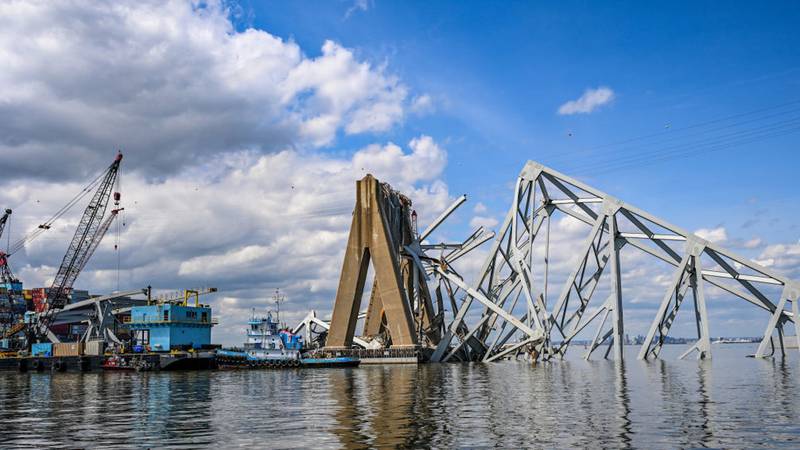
730,401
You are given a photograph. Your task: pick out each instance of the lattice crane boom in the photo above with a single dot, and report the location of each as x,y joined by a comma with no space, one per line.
82,243
5,271
99,238
3,221
8,280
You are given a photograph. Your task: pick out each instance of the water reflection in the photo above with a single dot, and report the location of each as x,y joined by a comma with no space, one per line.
703,371
623,404
729,401
347,414
385,406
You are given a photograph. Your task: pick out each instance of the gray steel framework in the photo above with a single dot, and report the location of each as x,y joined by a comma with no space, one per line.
514,310
401,310
97,313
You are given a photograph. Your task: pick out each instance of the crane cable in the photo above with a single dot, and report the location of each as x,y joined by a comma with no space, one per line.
8,234
117,237
20,244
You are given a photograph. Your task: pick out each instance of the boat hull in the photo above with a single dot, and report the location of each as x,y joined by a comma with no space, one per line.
344,361
229,359
186,362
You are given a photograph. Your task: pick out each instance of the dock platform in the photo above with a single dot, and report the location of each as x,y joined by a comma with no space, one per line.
89,363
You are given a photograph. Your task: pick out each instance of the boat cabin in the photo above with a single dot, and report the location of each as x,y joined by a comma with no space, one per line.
170,326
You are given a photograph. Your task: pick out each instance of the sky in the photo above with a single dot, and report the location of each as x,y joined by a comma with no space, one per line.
244,126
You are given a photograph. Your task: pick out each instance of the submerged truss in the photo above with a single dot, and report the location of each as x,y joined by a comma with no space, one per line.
509,308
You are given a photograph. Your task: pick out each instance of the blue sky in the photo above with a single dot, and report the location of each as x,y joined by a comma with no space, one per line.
245,124
498,74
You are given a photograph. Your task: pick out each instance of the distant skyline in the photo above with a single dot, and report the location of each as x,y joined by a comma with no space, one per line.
245,125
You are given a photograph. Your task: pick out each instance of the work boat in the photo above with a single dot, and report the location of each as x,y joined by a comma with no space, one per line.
266,347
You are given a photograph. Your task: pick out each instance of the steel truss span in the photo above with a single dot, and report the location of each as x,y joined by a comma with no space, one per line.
512,306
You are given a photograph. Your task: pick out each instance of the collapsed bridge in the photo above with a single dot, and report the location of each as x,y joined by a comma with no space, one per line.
509,307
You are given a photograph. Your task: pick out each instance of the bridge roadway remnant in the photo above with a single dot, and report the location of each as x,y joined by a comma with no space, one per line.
509,308
401,316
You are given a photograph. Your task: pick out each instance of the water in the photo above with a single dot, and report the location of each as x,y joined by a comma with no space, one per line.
730,401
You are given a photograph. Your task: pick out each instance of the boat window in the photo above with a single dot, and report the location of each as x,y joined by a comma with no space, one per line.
204,316
166,315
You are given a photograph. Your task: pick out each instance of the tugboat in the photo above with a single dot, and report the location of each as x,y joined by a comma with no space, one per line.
269,347
266,347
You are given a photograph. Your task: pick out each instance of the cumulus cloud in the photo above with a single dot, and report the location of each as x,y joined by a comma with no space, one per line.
481,221
426,161
358,5
223,182
783,257
422,104
265,221
172,83
748,244
716,235
752,243
220,127
588,102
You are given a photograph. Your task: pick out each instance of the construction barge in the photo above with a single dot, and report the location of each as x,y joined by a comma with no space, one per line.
157,362
60,328
89,363
176,335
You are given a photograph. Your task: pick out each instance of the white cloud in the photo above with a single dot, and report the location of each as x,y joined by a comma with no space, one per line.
345,92
422,104
588,102
480,221
717,235
171,83
222,182
752,243
479,208
783,257
261,222
426,161
358,5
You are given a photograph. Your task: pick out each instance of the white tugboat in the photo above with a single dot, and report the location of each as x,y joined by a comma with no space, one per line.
266,347
270,347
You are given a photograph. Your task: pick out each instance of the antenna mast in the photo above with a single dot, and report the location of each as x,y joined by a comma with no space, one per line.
278,298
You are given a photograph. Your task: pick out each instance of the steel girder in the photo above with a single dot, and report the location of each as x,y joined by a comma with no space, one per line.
383,232
511,288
